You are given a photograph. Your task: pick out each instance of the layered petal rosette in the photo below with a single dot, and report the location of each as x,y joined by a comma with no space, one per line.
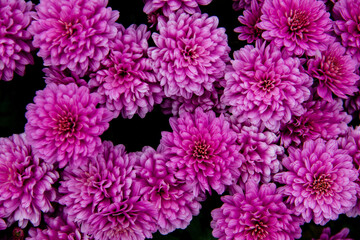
15,40
257,213
300,26
64,124
265,85
126,80
174,200
73,34
202,151
169,6
319,181
26,182
334,72
190,55
346,25
103,197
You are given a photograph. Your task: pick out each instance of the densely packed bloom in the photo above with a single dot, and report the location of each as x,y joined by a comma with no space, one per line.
346,14
342,235
26,182
15,40
265,85
202,151
64,124
327,120
319,181
103,197
73,34
249,30
256,213
334,72
190,55
260,150
126,80
169,6
300,26
173,199
58,228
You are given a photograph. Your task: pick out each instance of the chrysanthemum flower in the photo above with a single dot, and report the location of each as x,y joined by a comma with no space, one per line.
55,75
334,72
265,85
169,6
258,213
260,149
58,228
249,30
300,26
319,181
15,40
103,197
64,124
202,151
327,120
126,80
342,235
346,26
173,199
25,182
73,34
190,55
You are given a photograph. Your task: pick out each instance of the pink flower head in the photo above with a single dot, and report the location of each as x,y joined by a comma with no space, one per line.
300,26
190,54
25,182
334,71
169,6
64,125
258,213
173,199
319,181
73,34
103,197
126,80
202,151
347,22
327,120
342,235
265,85
249,30
55,75
15,40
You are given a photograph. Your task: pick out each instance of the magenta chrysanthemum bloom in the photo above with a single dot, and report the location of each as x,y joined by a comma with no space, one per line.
300,26
319,181
190,55
258,213
169,6
25,182
265,85
334,72
73,34
327,120
249,30
173,199
15,40
58,228
103,197
342,235
126,81
346,14
260,149
55,75
202,151
64,124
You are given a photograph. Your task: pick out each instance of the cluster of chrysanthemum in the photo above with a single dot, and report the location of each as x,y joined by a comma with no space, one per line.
270,127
